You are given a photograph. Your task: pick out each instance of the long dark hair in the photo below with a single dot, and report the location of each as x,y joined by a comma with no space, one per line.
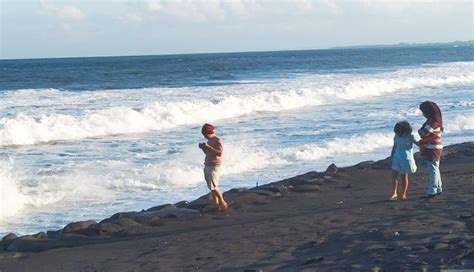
432,112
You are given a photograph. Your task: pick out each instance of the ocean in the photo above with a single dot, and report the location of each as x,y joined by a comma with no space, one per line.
84,138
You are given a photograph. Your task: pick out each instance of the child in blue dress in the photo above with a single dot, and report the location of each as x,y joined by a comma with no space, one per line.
403,162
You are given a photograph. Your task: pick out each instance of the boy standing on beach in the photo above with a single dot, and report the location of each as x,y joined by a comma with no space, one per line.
212,164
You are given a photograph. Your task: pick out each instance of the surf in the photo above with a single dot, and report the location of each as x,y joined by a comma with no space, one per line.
306,91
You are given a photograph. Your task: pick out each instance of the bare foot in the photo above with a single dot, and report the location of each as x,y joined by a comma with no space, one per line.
404,197
224,206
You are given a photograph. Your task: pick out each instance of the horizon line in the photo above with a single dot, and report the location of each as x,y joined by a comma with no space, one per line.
343,47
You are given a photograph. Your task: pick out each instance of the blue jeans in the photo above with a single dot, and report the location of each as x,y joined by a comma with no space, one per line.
434,177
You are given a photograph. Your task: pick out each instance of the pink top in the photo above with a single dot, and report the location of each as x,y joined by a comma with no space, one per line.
214,152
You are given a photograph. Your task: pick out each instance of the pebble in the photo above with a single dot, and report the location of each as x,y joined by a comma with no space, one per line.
376,269
332,168
306,188
314,260
420,249
9,237
441,246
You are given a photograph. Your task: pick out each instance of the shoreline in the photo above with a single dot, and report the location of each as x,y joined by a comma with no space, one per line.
337,219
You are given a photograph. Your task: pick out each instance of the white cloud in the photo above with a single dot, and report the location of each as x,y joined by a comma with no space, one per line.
189,10
71,12
333,7
219,10
388,7
66,12
153,5
132,18
410,8
238,7
201,11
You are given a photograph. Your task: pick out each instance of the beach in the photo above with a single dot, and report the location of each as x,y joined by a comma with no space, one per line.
85,138
334,220
236,135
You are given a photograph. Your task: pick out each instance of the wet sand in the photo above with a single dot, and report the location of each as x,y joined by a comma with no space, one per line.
333,221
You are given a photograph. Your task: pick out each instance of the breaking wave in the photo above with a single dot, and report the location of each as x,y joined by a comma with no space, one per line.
28,129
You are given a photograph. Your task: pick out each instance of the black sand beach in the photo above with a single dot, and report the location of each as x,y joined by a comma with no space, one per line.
339,220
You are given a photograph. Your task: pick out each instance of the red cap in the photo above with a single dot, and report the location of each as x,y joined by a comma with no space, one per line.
207,129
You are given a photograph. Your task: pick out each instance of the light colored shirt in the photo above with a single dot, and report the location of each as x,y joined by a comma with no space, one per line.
404,145
403,160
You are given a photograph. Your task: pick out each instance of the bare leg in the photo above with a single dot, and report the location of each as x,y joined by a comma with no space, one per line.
394,184
215,201
405,186
220,199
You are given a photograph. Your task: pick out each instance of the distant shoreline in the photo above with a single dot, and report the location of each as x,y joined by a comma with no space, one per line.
402,44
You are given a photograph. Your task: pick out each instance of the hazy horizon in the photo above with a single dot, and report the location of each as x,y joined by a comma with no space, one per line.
342,47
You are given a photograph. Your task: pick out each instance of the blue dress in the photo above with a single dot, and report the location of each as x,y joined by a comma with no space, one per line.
403,161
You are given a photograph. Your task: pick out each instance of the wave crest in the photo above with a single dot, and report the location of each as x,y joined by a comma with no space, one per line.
26,130
460,122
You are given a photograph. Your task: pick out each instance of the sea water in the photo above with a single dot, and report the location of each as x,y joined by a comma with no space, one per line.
84,138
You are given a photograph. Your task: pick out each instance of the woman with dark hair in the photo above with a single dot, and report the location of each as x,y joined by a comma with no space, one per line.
430,145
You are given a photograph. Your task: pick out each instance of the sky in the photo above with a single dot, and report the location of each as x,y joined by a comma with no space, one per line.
70,28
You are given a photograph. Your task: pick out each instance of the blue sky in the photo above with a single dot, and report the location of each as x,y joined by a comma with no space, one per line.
47,28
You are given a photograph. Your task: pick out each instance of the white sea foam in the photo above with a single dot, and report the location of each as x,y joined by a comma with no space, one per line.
101,181
341,146
240,157
460,122
11,200
25,129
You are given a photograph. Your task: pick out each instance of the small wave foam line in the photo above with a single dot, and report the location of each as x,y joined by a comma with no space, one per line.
25,129
339,147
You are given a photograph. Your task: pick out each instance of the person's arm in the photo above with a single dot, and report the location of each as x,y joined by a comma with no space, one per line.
415,141
421,142
391,155
216,151
427,129
201,146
